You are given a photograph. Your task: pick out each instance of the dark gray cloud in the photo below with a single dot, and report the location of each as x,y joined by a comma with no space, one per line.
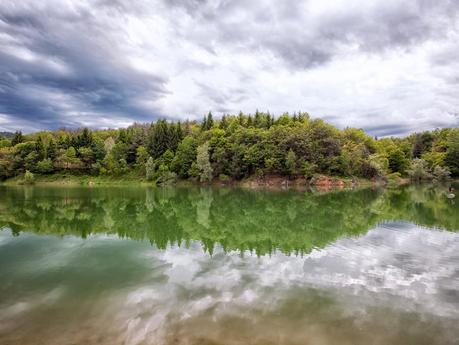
387,66
60,66
389,129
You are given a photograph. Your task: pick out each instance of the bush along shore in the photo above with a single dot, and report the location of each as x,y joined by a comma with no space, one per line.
244,149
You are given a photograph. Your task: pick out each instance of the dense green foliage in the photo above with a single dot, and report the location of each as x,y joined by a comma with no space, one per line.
233,147
237,219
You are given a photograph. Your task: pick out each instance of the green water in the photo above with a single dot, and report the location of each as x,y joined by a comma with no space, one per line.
228,266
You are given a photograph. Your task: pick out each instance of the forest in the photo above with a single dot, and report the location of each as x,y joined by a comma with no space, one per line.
233,147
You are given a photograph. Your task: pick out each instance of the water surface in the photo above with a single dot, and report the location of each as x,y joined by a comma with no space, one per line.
228,266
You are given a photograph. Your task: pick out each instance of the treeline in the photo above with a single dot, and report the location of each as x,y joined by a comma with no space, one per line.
232,147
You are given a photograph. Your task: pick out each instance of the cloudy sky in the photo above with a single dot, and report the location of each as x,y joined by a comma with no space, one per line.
388,66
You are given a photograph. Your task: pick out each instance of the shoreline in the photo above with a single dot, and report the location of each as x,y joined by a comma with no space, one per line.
273,182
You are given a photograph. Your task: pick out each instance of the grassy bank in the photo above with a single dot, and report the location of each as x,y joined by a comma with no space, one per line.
319,182
78,180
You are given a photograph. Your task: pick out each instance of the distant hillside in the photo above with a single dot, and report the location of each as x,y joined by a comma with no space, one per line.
8,135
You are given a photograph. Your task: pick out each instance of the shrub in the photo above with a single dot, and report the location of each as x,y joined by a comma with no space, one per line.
97,169
419,170
29,178
290,162
164,175
4,143
397,161
369,170
394,178
122,167
194,170
441,173
309,169
223,178
259,172
45,166
150,169
3,173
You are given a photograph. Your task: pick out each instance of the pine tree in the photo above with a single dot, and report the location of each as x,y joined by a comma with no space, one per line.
17,139
40,148
210,121
268,120
204,124
257,121
452,152
68,141
187,126
123,137
85,138
249,121
303,117
223,123
240,118
179,130
158,140
51,151
174,138
61,142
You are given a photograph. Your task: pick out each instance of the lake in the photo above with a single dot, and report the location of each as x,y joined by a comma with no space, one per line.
228,266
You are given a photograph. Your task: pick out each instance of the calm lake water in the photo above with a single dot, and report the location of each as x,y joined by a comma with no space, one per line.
226,266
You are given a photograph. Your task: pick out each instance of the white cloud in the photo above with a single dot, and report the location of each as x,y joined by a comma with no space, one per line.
382,65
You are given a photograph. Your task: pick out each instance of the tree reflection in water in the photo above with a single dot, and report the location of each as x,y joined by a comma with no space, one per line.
242,220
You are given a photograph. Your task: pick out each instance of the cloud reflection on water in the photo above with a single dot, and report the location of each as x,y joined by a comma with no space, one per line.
228,267
398,266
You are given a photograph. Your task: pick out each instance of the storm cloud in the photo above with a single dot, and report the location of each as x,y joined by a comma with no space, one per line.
389,67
